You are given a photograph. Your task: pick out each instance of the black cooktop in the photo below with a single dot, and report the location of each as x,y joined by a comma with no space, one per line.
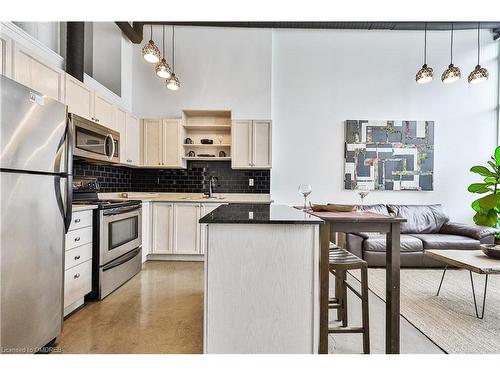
106,203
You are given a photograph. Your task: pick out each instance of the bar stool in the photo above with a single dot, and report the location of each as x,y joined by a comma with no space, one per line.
342,261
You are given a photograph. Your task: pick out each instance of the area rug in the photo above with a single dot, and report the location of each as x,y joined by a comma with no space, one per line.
448,319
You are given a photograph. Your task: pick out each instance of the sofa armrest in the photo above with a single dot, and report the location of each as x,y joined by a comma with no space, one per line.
474,231
363,235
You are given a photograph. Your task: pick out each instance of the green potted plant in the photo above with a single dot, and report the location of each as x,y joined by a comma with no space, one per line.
487,207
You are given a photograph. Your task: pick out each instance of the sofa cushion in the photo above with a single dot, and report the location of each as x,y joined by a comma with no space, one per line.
447,242
375,208
420,218
376,242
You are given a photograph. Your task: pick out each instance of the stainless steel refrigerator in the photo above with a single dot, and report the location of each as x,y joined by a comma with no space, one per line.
36,175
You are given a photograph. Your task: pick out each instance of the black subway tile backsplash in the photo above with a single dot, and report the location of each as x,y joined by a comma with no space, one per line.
194,179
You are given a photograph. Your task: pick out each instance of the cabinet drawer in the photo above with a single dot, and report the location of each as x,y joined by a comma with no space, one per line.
77,255
77,282
78,237
81,219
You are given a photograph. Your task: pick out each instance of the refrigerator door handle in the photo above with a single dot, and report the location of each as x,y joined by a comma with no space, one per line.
69,174
65,207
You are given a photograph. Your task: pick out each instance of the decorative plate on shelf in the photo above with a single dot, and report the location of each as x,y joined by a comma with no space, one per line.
492,250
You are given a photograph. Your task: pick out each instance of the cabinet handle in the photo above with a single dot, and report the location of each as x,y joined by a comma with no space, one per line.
76,276
77,221
129,161
77,257
77,239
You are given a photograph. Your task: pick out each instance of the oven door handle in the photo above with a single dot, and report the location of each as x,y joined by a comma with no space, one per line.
119,211
123,259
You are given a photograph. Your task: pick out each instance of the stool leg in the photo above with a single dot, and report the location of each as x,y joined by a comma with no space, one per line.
365,310
338,296
344,298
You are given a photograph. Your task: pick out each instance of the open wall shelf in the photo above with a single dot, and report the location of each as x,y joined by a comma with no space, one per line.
205,124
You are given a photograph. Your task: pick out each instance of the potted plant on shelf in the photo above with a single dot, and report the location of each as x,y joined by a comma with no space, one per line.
487,208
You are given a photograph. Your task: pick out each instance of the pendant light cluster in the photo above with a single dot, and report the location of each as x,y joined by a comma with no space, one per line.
151,53
452,73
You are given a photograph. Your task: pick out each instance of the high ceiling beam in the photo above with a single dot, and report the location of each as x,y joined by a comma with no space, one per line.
135,34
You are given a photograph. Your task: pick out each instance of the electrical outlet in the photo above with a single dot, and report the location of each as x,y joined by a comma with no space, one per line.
250,182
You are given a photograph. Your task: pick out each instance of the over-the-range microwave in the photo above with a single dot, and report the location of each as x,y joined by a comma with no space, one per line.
94,141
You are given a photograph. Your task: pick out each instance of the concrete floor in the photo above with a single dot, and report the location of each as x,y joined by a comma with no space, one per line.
160,310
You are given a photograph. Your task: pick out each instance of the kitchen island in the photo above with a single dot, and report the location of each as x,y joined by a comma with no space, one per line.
261,280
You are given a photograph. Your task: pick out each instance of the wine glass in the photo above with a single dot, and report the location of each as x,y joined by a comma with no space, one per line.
363,192
221,138
305,190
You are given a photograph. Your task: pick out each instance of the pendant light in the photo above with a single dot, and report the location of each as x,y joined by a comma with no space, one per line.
479,74
150,51
163,70
173,82
453,73
425,74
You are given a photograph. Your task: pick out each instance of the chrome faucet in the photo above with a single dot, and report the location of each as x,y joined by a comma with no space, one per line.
211,184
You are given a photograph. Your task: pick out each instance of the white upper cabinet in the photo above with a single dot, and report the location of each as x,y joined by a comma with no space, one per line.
5,56
152,142
35,73
252,144
103,111
242,144
120,125
79,98
172,142
162,143
262,143
133,140
186,228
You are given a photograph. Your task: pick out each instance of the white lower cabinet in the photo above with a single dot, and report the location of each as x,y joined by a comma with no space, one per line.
161,223
175,227
206,208
146,229
78,261
186,228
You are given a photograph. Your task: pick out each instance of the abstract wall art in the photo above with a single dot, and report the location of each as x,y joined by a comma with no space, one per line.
389,155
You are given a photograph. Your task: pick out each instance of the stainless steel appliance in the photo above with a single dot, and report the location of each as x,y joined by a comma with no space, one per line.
117,238
36,174
94,141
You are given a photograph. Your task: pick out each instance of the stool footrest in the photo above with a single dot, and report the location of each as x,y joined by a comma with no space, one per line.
346,330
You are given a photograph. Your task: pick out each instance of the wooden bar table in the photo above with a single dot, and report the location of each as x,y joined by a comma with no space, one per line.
350,222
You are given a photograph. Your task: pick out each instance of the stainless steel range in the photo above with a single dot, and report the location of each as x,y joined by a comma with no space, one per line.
117,238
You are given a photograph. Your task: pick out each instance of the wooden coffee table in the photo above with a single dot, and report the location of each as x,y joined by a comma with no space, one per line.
471,260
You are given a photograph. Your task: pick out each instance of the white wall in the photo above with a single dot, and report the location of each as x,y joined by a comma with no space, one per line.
107,55
219,68
46,33
322,78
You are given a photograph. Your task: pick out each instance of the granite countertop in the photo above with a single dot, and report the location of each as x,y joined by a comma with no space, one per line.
258,214
190,197
83,207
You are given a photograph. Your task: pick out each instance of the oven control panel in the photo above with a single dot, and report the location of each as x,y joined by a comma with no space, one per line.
85,184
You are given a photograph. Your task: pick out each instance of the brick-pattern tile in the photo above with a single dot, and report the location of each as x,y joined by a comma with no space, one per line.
194,179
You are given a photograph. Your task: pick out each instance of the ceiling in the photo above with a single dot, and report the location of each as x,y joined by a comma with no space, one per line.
134,30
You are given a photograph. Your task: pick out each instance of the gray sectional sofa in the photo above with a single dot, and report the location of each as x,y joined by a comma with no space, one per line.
427,227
